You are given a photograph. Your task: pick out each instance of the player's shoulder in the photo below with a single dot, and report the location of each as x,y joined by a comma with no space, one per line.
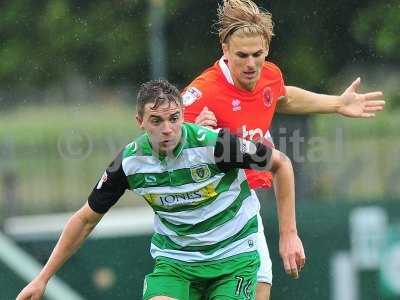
210,74
206,80
138,147
203,86
272,68
199,136
130,150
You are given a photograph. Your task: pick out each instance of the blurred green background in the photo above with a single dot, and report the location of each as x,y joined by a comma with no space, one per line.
69,72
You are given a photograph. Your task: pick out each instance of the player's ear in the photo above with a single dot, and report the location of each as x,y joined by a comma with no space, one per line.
139,120
225,49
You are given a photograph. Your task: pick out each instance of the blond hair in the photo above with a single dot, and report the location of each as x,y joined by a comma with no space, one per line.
243,17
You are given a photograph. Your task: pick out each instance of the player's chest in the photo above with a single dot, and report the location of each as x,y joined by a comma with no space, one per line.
244,114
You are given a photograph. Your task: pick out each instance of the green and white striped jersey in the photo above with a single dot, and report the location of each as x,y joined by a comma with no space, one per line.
203,206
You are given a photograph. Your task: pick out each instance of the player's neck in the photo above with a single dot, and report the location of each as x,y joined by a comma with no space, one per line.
223,63
244,87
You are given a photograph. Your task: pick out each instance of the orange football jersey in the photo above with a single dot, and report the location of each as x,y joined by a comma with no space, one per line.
246,114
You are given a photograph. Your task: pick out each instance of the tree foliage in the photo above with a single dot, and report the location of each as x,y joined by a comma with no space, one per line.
377,26
107,42
45,41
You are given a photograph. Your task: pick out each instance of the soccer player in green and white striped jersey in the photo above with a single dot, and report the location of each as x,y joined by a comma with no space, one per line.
205,223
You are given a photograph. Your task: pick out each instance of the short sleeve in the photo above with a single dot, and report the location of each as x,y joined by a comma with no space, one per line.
194,102
233,152
110,187
282,88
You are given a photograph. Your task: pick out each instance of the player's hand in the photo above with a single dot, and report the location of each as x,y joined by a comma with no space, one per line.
33,291
292,253
206,118
356,105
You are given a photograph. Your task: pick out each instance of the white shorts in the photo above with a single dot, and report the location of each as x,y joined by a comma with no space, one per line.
265,272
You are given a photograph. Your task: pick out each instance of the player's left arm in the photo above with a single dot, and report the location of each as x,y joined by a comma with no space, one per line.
349,104
233,152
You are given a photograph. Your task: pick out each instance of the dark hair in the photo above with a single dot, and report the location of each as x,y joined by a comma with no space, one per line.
157,92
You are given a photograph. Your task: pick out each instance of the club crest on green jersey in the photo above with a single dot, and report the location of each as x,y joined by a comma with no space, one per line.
200,173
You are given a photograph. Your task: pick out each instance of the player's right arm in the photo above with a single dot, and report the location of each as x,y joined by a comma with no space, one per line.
108,190
74,234
206,118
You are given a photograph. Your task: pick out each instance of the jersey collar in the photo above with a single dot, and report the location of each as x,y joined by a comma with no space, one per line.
182,143
225,70
178,149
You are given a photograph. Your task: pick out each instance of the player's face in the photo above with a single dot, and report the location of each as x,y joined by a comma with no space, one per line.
163,125
245,55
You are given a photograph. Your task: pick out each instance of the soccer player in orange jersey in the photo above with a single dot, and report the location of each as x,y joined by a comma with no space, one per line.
242,91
